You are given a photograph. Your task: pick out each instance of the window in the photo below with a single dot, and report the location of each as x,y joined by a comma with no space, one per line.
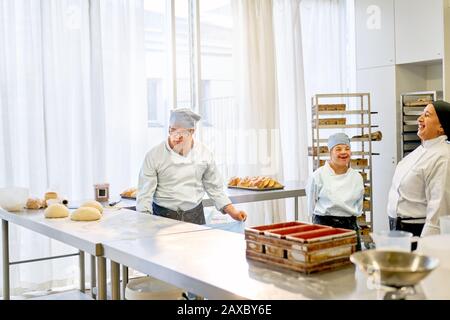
157,37
215,87
216,25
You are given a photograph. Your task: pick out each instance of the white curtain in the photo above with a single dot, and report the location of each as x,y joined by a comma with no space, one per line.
254,146
328,46
73,112
291,97
329,50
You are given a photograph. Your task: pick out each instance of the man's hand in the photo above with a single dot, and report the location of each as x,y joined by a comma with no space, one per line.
238,215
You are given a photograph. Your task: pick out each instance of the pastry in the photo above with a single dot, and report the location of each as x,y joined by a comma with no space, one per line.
35,204
129,193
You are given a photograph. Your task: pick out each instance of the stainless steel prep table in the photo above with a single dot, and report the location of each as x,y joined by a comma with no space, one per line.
88,236
292,189
212,264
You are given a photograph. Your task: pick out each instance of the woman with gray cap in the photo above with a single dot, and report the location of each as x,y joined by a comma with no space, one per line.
335,192
176,174
420,191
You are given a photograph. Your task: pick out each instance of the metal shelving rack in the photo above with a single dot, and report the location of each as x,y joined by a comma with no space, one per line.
412,105
357,109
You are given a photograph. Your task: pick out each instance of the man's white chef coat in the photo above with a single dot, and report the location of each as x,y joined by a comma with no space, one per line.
331,194
179,182
421,185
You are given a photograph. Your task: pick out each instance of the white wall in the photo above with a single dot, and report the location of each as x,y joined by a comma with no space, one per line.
380,82
418,30
374,33
446,84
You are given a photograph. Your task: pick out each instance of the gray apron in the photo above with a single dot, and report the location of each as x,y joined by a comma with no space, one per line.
194,215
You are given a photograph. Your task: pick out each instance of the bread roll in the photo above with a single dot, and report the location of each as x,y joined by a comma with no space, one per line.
93,204
35,204
56,210
51,195
86,214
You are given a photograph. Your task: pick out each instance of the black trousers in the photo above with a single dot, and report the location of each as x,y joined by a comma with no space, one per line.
195,215
340,222
402,224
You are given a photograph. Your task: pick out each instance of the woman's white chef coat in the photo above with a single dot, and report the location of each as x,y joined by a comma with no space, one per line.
421,185
179,182
331,194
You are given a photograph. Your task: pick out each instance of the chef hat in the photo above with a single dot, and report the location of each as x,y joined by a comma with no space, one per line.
338,138
183,118
443,112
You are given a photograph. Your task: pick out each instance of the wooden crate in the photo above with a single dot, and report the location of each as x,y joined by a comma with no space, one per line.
300,246
332,121
312,151
331,107
359,162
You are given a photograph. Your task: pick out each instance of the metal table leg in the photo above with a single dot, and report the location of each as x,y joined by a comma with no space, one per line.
124,280
296,208
5,255
93,277
115,280
101,278
82,272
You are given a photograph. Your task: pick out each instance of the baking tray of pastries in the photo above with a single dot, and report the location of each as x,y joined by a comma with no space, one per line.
257,183
129,193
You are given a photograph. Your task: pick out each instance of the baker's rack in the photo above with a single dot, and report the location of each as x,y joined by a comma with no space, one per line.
356,108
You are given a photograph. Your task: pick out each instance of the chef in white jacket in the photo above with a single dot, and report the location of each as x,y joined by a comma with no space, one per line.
335,192
177,172
420,191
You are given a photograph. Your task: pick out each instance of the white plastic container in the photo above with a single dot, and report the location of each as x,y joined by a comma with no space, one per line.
437,285
392,240
445,224
14,198
149,288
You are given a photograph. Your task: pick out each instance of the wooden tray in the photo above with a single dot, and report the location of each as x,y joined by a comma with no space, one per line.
255,188
298,246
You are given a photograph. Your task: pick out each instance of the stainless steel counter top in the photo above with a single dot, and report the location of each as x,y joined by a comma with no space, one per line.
212,264
89,235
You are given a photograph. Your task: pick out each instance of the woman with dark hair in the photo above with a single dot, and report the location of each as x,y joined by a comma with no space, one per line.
420,191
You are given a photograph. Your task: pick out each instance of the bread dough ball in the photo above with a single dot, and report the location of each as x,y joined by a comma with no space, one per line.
86,214
56,210
93,204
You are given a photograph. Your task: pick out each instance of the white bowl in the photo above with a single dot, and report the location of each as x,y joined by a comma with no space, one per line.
13,198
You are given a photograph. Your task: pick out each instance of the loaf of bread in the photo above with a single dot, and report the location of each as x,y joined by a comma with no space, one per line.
35,204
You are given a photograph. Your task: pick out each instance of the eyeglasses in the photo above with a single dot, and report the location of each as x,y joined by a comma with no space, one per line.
179,133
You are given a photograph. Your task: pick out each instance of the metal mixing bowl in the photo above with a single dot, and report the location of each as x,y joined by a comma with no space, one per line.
394,269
